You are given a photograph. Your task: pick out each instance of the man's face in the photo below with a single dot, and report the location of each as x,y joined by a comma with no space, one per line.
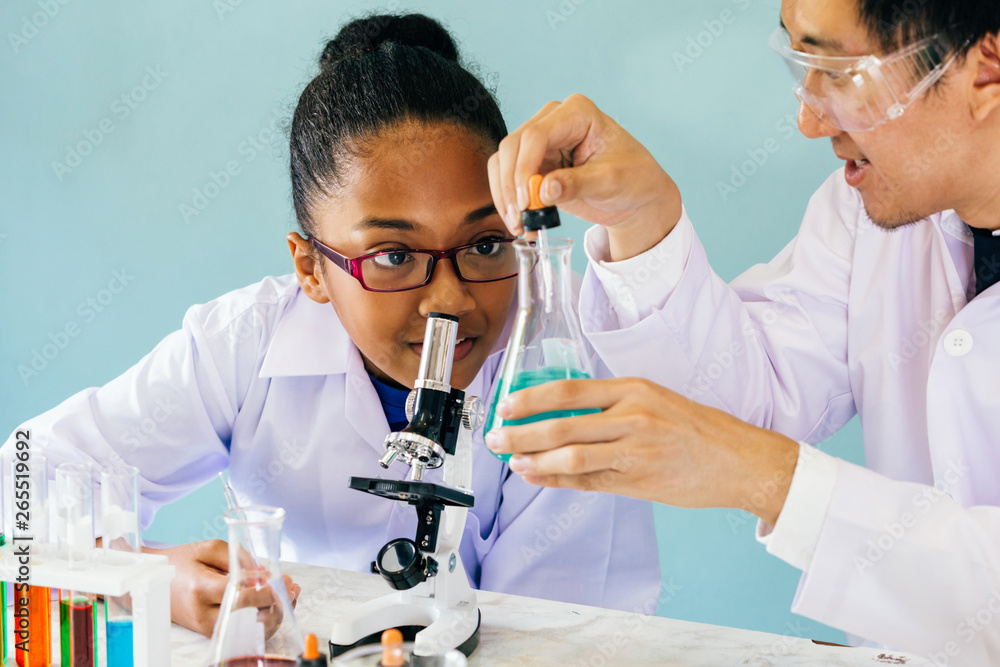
905,169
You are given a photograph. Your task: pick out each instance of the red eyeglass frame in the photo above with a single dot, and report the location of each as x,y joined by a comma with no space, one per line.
352,265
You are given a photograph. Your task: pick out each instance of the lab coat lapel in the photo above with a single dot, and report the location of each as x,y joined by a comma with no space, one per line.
310,340
362,406
949,223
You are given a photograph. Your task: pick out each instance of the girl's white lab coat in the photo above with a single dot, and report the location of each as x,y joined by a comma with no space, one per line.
847,318
267,382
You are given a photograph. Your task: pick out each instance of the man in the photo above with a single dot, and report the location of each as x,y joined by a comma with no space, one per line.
884,305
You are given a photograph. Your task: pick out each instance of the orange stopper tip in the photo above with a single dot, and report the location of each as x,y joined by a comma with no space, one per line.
312,647
392,653
392,636
535,192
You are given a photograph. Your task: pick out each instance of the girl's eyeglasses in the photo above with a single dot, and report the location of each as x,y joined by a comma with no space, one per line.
484,261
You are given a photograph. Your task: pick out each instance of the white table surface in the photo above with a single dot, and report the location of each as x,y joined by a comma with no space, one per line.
526,631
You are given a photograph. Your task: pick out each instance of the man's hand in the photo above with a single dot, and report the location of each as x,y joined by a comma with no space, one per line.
648,442
593,169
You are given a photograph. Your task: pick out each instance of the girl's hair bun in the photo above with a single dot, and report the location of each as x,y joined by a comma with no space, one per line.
366,35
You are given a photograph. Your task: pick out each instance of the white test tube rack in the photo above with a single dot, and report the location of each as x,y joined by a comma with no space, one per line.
145,577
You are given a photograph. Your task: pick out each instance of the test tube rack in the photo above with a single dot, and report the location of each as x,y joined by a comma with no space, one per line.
146,577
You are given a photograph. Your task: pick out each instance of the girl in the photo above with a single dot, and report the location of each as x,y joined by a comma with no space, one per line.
294,382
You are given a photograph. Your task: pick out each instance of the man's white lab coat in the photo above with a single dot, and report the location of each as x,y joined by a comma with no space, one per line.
847,319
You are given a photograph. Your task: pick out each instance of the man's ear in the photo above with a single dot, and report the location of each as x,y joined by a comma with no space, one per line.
986,87
307,268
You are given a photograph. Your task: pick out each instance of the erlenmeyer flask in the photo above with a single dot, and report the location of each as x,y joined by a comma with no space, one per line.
547,340
256,625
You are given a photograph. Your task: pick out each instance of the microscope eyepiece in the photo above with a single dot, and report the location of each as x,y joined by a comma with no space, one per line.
438,354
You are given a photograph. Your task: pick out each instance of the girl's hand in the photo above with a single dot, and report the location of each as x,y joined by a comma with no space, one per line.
593,169
200,582
648,442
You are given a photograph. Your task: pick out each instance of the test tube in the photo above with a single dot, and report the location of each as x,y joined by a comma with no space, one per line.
32,604
120,526
75,503
5,521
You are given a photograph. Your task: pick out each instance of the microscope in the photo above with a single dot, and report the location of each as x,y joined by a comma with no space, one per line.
433,604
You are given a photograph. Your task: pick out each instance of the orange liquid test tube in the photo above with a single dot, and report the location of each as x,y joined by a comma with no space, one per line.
33,603
32,621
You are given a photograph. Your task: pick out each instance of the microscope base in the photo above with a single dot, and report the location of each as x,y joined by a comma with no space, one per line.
409,635
432,630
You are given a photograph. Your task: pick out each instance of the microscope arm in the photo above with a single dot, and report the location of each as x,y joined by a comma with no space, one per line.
457,474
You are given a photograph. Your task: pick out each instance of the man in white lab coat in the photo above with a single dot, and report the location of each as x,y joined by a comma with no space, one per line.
884,305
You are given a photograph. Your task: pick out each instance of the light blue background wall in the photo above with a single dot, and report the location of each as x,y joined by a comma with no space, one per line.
232,71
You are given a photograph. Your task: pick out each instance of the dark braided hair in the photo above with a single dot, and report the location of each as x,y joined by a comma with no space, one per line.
378,72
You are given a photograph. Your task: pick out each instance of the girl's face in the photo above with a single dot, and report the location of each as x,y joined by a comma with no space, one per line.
419,186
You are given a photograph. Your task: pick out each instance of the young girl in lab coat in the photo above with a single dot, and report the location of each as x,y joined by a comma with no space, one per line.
293,383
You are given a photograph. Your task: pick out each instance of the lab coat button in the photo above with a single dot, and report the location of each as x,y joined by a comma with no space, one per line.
958,342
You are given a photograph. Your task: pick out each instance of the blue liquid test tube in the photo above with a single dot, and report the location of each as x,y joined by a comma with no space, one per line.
120,527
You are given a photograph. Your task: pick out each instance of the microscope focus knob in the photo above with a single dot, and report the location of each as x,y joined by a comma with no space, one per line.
473,413
411,404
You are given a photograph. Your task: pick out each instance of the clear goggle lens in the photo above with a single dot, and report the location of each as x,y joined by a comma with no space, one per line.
857,94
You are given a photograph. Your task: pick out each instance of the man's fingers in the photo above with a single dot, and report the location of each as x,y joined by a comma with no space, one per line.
549,434
510,218
573,460
566,395
507,157
605,481
592,181
546,140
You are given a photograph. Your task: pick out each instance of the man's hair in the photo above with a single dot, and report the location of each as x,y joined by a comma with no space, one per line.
963,23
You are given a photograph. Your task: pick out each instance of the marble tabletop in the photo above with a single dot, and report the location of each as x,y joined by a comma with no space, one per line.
526,631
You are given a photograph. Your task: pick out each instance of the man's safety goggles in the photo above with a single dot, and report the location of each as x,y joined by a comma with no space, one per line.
859,93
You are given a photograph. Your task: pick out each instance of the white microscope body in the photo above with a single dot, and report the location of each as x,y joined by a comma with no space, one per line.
433,591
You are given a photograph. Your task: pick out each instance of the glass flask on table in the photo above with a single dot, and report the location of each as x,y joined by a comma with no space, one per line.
546,342
256,625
